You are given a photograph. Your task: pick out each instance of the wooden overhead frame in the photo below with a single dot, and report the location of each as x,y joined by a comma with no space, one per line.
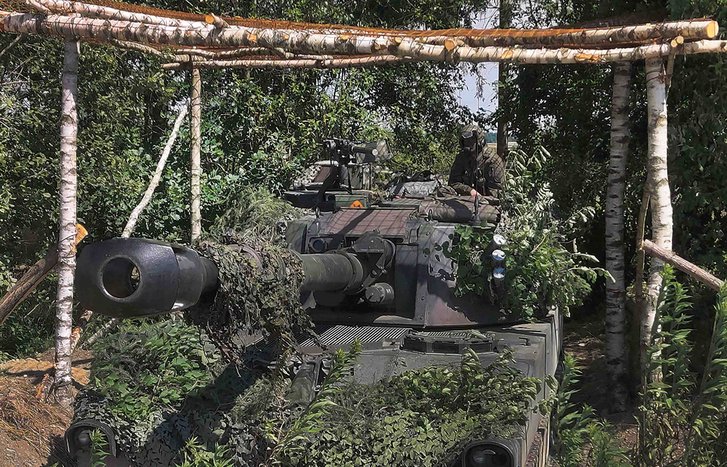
211,41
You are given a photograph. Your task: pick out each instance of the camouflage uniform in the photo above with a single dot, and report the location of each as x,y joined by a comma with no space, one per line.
476,166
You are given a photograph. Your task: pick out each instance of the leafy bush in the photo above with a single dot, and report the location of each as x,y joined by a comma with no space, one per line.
150,366
541,271
197,455
682,421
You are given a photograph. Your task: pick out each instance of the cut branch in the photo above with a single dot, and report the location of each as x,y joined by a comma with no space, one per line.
154,182
683,265
10,46
98,11
222,54
33,277
136,47
688,29
294,63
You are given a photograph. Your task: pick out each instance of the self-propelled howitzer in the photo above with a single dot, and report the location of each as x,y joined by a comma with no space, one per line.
380,275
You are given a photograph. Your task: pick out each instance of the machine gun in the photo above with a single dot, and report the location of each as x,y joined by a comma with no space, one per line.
345,169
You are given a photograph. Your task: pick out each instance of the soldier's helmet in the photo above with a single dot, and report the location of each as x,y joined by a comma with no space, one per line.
472,138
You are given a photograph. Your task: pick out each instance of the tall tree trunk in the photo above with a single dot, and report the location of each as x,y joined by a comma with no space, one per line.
658,184
67,225
616,355
195,131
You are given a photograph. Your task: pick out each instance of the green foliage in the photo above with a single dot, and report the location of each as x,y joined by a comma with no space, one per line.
196,455
469,251
706,440
253,217
580,438
99,448
152,365
420,417
541,271
674,408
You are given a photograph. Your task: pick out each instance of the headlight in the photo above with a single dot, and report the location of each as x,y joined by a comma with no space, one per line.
487,455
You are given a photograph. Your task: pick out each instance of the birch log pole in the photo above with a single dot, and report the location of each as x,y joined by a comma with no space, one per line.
658,184
67,225
307,42
694,271
616,356
196,138
689,29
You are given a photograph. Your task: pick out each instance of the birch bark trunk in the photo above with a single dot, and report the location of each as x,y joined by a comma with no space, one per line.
154,182
67,225
616,354
658,183
196,137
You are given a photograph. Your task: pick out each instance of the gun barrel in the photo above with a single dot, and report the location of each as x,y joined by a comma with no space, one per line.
128,277
135,277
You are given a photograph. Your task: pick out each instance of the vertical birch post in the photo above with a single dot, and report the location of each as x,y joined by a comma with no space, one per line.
616,356
658,184
195,131
67,225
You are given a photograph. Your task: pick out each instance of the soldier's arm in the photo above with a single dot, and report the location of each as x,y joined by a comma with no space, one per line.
457,175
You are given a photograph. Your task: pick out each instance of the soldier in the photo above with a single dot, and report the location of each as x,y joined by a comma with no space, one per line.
477,170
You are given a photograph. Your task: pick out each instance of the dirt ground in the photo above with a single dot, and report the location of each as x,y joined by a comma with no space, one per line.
584,340
31,428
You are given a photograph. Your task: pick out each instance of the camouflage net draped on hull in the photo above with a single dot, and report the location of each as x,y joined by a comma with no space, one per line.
420,417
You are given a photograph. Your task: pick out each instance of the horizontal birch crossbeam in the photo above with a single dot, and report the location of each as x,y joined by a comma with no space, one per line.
478,55
301,42
694,29
309,63
683,265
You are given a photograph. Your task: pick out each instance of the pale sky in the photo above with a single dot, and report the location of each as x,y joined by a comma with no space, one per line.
487,72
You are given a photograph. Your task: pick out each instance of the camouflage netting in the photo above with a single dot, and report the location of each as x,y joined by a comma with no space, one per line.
259,283
152,385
